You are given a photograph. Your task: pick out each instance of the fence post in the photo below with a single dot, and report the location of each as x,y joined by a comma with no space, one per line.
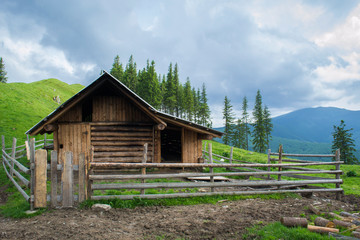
67,180
211,169
280,161
337,176
40,178
81,177
45,140
13,153
231,154
143,170
269,161
32,172
205,160
88,173
54,184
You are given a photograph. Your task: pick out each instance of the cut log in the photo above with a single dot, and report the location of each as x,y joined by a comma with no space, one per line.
343,224
356,234
346,214
314,210
322,222
294,222
322,229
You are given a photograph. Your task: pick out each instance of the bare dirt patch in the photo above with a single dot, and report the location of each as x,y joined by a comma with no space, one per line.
224,220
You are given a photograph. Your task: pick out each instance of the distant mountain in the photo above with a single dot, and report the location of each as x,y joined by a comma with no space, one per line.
315,124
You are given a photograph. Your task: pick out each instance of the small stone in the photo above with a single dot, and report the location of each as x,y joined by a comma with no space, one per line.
101,207
30,212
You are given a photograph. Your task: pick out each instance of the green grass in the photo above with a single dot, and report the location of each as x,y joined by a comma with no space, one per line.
22,105
276,231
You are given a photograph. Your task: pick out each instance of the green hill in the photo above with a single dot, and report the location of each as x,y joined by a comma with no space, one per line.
22,105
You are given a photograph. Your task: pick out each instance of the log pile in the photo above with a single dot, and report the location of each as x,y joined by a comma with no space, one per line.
349,222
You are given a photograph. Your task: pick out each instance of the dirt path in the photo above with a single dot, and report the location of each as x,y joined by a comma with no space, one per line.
224,220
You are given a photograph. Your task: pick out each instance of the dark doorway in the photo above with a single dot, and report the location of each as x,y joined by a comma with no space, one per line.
171,144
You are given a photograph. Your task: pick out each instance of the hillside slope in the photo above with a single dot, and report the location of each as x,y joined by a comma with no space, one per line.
22,105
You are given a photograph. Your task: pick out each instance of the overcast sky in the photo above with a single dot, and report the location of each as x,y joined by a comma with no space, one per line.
298,53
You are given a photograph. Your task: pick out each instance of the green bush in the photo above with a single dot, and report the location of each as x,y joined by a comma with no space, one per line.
351,173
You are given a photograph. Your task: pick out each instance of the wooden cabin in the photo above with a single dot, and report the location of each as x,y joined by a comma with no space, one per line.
109,119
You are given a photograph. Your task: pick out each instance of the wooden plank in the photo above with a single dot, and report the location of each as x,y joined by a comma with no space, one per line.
304,177
121,138
134,128
117,154
121,134
117,143
54,180
119,148
13,152
198,194
120,160
40,178
67,181
82,177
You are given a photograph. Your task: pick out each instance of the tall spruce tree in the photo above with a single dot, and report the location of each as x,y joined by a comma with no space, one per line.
245,125
117,69
3,78
177,92
238,137
342,139
228,116
130,74
268,126
258,134
189,100
204,108
170,93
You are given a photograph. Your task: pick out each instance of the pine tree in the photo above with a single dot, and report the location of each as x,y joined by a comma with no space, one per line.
189,100
196,97
170,93
259,134
343,140
130,74
117,69
204,108
245,124
3,78
177,93
268,126
228,116
238,137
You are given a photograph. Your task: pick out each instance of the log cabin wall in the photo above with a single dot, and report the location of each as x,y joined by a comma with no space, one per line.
191,146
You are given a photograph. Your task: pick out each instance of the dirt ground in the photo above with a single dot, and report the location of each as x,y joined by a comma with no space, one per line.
224,220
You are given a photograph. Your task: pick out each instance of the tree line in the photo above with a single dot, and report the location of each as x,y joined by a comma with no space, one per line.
238,132
165,92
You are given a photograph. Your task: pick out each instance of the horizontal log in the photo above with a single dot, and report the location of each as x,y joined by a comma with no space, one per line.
322,222
120,159
294,222
17,174
20,156
118,154
343,224
20,146
291,160
119,148
199,194
21,150
120,123
194,174
322,229
19,165
192,165
304,177
346,214
120,128
120,143
314,210
203,184
121,138
300,168
302,155
121,134
23,193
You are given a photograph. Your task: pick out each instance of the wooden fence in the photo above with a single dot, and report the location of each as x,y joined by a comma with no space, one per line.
107,178
233,187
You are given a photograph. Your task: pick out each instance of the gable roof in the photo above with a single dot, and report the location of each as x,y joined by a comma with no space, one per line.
158,116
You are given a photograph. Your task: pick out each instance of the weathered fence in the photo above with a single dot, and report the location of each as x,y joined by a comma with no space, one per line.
233,187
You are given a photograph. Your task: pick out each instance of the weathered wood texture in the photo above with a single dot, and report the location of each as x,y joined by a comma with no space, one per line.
294,222
67,179
121,143
191,147
322,229
40,178
74,138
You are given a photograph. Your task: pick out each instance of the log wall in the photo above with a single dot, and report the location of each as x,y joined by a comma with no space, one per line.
192,146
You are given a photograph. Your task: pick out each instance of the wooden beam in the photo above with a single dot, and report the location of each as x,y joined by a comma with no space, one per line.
50,127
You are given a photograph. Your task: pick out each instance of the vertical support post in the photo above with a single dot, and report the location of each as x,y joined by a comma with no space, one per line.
67,180
231,154
40,178
269,161
143,170
89,172
32,172
45,140
81,177
54,180
280,162
337,176
211,168
13,153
